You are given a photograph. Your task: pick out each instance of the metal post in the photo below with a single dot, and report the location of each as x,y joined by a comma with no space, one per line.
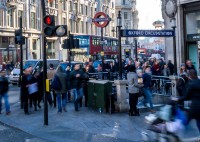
69,50
120,52
44,68
102,56
136,57
174,50
21,63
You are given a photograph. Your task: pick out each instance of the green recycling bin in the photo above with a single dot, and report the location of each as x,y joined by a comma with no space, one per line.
97,92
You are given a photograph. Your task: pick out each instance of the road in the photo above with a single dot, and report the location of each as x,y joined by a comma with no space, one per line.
11,134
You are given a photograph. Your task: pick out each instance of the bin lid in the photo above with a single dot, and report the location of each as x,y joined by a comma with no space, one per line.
98,81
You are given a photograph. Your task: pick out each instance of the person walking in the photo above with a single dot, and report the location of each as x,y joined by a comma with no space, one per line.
50,74
147,88
76,77
61,94
4,94
133,88
193,94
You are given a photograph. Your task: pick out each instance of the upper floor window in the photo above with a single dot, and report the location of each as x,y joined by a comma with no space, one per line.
33,1
70,6
125,15
124,2
64,5
33,20
10,22
56,3
86,10
20,13
81,8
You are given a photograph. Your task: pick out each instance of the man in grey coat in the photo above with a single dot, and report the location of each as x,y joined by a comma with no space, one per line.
61,94
133,88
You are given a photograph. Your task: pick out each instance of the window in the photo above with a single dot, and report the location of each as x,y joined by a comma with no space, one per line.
71,28
82,26
91,30
34,44
77,27
64,21
125,15
20,13
112,4
87,28
10,18
124,2
86,10
56,3
64,5
1,17
70,6
56,20
33,1
33,20
81,8
91,12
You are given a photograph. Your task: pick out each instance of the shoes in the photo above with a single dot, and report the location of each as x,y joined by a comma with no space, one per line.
27,113
64,109
8,113
76,106
152,111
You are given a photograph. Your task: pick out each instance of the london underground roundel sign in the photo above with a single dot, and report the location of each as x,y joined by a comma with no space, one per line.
101,19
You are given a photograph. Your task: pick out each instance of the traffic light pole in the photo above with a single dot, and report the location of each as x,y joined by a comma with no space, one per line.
44,68
69,50
21,63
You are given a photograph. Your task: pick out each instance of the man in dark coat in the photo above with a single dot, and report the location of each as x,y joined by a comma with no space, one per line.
193,94
76,78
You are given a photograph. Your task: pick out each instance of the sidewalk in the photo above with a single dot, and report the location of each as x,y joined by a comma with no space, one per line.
82,126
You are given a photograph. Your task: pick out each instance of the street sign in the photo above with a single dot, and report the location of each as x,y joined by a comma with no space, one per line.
147,33
101,19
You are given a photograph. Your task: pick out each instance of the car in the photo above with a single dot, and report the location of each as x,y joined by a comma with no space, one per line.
14,76
72,63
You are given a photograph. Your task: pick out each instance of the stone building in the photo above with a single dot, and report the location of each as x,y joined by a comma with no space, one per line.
130,20
187,31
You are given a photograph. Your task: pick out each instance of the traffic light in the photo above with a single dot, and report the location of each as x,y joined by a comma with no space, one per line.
66,44
19,39
49,25
51,30
61,30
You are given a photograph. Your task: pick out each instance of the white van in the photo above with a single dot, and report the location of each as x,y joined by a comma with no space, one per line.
157,56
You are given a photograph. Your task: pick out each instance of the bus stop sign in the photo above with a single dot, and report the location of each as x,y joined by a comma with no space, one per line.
101,20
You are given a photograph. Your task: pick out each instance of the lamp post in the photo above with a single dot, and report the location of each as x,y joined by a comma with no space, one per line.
135,39
113,31
173,20
119,25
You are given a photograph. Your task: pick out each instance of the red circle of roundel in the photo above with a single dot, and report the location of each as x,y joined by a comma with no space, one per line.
105,23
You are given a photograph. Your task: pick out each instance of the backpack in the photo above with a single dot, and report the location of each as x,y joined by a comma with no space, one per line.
56,84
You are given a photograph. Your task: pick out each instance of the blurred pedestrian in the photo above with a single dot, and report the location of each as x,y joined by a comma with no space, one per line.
61,94
189,65
171,67
133,88
193,94
147,88
4,93
68,71
50,74
76,77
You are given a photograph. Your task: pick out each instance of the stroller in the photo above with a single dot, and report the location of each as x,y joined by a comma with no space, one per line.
165,124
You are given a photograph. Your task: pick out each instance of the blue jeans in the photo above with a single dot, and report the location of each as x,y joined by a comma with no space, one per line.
7,105
61,99
78,93
148,96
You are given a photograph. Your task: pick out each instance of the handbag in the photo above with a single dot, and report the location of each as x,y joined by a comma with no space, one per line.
56,84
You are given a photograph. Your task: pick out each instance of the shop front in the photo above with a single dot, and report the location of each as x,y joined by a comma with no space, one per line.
192,32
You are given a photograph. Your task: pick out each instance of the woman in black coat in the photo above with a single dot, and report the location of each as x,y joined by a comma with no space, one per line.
193,94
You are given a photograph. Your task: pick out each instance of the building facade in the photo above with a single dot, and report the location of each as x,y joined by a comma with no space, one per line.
130,20
187,32
76,14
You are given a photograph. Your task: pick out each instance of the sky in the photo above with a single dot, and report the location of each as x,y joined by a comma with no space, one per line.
148,12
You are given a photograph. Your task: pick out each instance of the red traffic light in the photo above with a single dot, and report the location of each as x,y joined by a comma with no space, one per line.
49,19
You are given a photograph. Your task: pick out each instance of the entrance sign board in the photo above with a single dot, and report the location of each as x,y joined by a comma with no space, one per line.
101,17
147,33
